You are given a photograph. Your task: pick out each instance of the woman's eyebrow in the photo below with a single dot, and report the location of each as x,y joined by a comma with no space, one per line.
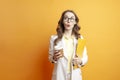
70,17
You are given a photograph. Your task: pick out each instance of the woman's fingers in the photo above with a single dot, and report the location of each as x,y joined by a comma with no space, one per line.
57,55
76,60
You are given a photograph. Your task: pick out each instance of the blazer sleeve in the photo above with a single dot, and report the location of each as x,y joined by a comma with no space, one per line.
51,49
84,56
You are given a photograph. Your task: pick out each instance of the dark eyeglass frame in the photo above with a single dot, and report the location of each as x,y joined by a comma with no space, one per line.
68,19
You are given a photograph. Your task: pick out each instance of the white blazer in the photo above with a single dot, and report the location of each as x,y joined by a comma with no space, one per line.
60,66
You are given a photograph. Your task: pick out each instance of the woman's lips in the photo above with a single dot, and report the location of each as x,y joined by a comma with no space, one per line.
68,25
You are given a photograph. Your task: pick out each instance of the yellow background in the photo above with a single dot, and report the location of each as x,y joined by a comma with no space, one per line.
26,26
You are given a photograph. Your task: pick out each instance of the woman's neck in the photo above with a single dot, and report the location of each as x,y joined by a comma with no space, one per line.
68,33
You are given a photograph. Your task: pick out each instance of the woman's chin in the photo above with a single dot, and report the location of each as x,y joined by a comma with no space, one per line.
68,28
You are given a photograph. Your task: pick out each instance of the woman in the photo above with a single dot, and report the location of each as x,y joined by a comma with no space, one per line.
62,50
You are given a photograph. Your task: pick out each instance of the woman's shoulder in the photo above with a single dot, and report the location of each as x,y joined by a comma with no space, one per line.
54,36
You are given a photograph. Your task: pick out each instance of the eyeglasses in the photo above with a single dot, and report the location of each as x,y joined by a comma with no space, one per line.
69,19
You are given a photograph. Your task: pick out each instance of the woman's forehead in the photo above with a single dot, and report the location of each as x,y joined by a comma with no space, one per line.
69,14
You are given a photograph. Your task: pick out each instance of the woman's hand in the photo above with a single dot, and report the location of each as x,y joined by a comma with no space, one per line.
58,54
77,61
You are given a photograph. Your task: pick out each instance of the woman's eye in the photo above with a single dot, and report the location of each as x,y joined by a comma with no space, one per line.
65,18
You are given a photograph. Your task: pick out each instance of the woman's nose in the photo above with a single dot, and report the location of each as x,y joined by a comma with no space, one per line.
68,20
